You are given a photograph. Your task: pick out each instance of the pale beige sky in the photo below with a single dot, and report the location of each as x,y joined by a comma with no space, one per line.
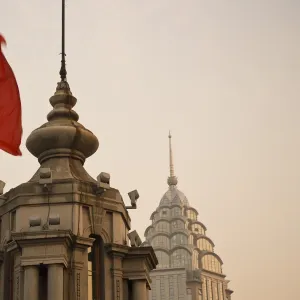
222,75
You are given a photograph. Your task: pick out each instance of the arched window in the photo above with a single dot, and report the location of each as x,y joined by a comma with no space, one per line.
204,244
149,231
177,224
191,214
181,258
197,228
160,241
179,239
164,212
191,240
211,263
163,259
96,269
176,211
163,226
155,216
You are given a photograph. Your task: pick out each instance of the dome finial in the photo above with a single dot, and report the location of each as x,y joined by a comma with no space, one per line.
172,180
63,85
63,71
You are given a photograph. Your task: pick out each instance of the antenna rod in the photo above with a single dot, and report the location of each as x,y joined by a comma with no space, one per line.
63,71
172,174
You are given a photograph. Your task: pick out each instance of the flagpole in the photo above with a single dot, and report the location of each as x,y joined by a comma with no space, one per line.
63,71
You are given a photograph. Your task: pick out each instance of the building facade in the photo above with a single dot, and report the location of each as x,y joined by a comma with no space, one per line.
189,268
63,234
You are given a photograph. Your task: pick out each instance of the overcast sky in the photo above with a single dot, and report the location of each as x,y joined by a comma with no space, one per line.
224,76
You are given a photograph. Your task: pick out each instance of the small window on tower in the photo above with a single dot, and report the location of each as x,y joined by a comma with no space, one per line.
164,212
197,229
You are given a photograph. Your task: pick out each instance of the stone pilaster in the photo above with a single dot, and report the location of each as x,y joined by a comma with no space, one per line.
117,253
55,282
31,283
18,278
79,265
139,290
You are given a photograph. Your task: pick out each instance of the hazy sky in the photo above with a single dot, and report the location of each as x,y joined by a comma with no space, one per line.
224,76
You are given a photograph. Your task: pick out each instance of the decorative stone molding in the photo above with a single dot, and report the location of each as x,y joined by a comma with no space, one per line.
138,262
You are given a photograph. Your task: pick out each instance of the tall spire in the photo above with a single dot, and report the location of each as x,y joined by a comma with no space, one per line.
172,180
171,156
63,71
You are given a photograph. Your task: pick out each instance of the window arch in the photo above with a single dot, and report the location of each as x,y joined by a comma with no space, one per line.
164,212
211,263
181,258
163,259
177,224
197,228
204,244
191,214
176,211
161,241
191,240
179,239
148,231
162,226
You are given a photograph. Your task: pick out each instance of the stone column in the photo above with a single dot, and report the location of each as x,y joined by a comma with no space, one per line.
139,290
31,283
55,282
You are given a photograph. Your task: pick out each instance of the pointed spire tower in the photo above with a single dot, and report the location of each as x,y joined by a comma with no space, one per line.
185,253
172,180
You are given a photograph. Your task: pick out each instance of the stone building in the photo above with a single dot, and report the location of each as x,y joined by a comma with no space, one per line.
188,268
63,234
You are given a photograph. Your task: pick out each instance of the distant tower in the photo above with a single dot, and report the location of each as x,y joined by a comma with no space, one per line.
188,268
63,234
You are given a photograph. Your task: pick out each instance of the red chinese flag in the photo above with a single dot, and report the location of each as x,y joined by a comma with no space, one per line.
10,108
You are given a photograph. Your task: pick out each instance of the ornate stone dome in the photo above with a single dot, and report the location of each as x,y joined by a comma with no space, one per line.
62,135
173,196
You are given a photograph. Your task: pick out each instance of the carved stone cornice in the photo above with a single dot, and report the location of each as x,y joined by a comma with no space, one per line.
117,249
82,242
138,263
41,237
229,292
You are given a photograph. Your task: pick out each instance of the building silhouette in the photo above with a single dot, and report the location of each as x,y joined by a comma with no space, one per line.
63,234
188,268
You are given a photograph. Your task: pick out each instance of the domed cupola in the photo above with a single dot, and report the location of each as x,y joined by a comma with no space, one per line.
174,196
62,135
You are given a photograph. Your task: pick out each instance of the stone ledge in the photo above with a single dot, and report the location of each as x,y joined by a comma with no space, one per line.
49,260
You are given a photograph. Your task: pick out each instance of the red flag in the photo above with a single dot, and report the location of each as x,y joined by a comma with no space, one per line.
10,108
